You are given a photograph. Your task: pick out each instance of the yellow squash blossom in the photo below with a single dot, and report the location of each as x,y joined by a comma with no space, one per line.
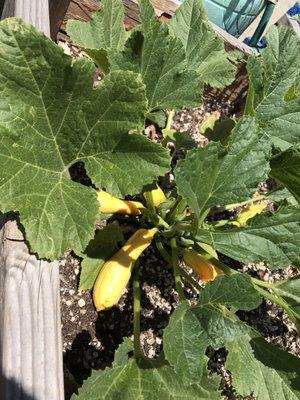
203,267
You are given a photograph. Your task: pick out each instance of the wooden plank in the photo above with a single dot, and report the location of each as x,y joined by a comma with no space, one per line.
57,10
233,43
32,348
163,6
2,280
281,8
31,345
35,12
8,9
286,20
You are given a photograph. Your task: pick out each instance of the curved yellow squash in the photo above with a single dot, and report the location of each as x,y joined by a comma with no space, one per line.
115,273
110,204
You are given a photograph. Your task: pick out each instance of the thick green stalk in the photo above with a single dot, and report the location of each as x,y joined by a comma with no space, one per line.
166,256
263,283
162,222
179,207
190,280
136,314
176,269
170,120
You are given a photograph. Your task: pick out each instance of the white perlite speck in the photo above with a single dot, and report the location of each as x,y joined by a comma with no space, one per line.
81,303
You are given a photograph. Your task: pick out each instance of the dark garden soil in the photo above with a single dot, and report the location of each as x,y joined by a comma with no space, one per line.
90,338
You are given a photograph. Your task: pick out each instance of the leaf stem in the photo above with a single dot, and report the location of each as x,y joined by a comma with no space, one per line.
262,283
203,216
136,314
176,269
281,303
180,205
170,119
165,255
271,297
162,222
191,280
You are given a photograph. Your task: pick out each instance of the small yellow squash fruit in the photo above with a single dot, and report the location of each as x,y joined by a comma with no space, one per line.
249,213
110,204
203,267
115,273
158,196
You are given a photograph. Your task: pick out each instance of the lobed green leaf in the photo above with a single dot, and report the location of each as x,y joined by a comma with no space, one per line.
271,77
51,118
204,49
192,329
261,368
217,175
274,238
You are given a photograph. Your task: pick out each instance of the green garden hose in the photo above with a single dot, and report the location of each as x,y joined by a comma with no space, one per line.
263,22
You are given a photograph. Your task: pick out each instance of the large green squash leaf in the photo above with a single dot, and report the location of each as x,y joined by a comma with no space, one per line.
160,58
174,60
274,95
272,238
131,379
192,329
204,49
285,167
260,368
289,290
105,32
50,118
217,175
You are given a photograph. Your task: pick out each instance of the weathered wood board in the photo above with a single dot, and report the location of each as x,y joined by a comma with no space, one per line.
30,340
32,348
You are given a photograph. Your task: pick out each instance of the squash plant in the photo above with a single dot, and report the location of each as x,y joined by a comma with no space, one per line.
51,117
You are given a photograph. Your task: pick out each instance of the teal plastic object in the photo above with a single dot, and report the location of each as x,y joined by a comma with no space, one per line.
234,16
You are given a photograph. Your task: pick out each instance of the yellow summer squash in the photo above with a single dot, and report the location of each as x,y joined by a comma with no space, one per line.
110,204
115,273
249,213
158,196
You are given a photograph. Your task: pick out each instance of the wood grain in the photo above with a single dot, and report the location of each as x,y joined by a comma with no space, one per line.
35,12
57,10
30,325
32,348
